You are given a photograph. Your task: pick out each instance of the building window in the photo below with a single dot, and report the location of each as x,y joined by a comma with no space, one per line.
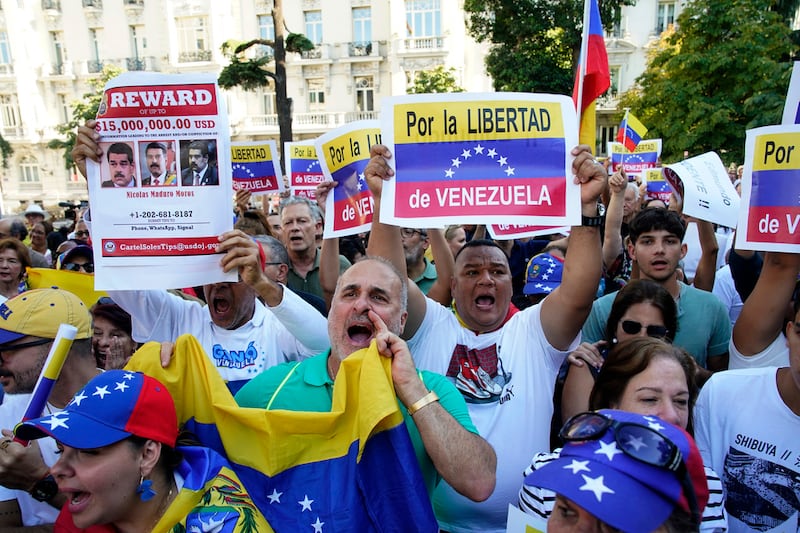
29,170
266,32
66,109
314,26
613,89
59,54
268,102
666,16
9,114
193,42
423,18
316,95
606,134
365,94
94,65
616,32
362,25
5,49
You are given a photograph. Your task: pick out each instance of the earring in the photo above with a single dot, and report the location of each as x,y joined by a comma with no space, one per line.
145,489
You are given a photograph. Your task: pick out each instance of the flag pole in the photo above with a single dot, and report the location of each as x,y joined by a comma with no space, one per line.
625,134
582,60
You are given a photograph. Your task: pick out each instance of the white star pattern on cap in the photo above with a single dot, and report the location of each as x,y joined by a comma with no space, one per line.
121,385
101,391
79,398
636,442
56,422
596,486
318,526
609,449
577,466
275,496
128,376
655,425
306,503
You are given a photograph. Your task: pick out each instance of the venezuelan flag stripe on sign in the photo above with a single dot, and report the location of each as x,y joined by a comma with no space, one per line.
353,467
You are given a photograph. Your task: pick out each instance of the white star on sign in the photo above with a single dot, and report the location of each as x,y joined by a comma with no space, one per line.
502,160
101,391
509,171
306,503
456,162
275,496
318,526
121,385
609,449
655,425
79,398
479,149
466,154
491,153
596,486
577,466
448,173
56,422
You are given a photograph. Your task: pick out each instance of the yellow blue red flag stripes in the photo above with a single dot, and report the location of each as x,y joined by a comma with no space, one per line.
350,469
631,132
593,77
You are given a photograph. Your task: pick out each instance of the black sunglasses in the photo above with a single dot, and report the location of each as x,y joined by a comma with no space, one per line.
23,345
631,327
629,436
75,267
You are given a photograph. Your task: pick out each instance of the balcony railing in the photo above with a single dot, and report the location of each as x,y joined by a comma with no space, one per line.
315,53
59,69
361,49
194,56
134,3
424,43
136,63
96,4
51,5
93,66
12,132
354,116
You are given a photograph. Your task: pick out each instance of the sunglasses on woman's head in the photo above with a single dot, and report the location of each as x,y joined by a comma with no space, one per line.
631,327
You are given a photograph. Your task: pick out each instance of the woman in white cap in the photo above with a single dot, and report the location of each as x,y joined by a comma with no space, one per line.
122,469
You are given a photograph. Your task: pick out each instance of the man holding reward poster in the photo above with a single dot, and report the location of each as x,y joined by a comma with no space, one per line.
508,359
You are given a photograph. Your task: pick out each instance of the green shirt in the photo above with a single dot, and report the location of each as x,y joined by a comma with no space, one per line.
427,278
310,283
310,388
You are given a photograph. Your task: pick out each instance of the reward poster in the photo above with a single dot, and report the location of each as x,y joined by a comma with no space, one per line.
494,158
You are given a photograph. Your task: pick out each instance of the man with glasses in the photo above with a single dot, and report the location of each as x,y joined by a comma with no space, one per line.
419,270
28,325
656,246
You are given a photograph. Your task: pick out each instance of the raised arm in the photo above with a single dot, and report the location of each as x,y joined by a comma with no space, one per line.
612,243
329,253
763,314
445,266
709,249
565,310
385,241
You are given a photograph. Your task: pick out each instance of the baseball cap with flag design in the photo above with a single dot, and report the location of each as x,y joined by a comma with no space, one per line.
543,274
111,407
610,461
40,312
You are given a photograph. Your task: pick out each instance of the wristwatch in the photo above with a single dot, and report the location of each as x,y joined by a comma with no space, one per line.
44,489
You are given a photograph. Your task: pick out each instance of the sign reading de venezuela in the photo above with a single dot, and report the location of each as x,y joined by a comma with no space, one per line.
487,158
771,190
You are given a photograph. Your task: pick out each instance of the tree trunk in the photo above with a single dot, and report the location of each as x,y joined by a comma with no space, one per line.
283,103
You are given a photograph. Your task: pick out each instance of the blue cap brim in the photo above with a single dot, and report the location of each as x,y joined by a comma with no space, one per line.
72,429
7,336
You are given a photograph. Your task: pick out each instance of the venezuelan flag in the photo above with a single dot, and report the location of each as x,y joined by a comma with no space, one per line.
78,283
631,132
593,76
350,469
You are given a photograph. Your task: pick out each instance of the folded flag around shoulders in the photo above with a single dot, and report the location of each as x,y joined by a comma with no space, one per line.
631,132
350,469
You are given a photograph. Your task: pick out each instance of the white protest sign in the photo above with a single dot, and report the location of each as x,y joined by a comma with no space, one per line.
161,193
707,192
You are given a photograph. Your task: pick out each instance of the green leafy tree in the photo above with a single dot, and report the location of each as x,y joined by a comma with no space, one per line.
252,72
6,151
725,69
534,43
436,80
83,110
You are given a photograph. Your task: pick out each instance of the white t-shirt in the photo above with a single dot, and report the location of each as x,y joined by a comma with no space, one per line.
748,435
33,512
725,290
514,411
292,330
774,355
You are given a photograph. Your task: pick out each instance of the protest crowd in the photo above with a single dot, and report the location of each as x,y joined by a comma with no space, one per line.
638,371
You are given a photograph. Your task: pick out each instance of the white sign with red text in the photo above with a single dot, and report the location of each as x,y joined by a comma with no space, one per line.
160,195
